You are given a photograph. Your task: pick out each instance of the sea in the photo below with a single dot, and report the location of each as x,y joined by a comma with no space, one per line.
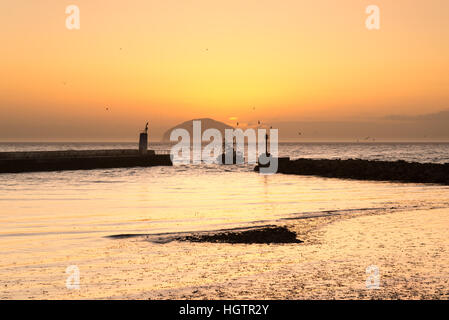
46,217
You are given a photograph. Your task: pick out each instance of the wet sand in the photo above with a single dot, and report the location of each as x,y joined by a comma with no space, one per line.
410,250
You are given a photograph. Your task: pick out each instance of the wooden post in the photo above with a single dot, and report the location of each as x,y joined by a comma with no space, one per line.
266,145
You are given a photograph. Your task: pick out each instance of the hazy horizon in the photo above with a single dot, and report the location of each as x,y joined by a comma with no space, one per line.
393,128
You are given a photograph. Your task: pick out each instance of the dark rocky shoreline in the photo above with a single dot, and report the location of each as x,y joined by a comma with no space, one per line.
400,171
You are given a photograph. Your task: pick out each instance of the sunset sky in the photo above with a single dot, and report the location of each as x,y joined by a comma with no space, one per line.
235,60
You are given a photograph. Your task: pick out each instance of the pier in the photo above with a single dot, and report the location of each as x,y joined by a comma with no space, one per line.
34,161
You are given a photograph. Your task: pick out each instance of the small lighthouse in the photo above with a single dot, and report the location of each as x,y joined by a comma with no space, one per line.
143,141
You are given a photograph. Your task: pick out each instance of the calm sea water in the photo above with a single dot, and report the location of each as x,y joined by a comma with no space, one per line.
46,217
167,199
416,152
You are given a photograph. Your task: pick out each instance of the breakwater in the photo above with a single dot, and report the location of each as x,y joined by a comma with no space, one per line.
368,170
16,162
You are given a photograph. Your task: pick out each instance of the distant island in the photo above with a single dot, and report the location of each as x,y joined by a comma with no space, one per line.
206,123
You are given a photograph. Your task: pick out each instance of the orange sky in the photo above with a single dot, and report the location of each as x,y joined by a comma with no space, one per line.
173,60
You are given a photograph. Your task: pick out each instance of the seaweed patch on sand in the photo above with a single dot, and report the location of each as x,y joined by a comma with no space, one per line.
262,235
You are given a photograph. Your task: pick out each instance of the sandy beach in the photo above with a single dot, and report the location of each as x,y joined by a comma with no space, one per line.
410,250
